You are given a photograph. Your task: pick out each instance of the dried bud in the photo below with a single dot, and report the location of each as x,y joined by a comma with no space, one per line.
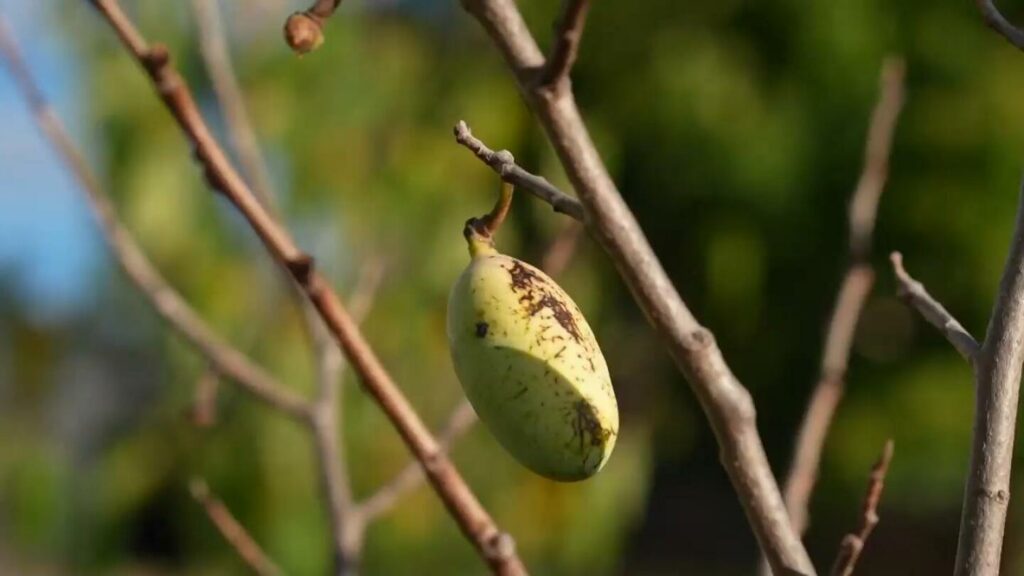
302,32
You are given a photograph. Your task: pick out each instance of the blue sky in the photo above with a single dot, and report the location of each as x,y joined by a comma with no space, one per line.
49,247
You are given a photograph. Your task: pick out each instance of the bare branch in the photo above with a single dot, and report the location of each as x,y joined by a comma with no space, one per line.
914,293
204,402
878,148
495,547
727,404
214,48
304,30
346,532
568,34
853,294
996,21
347,529
810,441
997,371
853,544
227,360
232,531
409,478
562,249
505,165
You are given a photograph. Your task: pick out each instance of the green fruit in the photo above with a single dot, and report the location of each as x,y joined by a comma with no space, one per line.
531,366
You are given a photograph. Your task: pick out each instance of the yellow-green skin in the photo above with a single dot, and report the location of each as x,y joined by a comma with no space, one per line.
531,367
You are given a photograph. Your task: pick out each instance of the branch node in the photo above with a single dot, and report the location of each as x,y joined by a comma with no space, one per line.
302,267
699,340
156,58
501,546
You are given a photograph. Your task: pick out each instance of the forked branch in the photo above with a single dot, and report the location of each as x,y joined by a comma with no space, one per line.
997,371
566,47
853,294
494,546
727,404
165,300
504,164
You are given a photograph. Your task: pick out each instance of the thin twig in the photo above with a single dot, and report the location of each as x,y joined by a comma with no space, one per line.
997,371
204,402
232,531
828,392
214,48
853,294
384,499
562,249
566,46
877,150
727,404
996,21
495,547
347,529
228,361
505,165
303,31
853,544
325,426
914,293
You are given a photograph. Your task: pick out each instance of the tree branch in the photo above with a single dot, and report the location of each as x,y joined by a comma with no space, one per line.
228,361
505,165
828,392
565,49
914,294
877,149
853,294
495,547
853,544
303,31
204,399
213,47
996,21
232,531
997,371
385,498
727,404
347,528
325,427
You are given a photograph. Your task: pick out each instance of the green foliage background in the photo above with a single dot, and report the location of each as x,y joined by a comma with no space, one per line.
735,131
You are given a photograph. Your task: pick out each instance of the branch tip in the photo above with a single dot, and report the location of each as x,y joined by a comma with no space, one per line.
303,33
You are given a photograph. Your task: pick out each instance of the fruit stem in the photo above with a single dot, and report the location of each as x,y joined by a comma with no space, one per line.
494,220
479,232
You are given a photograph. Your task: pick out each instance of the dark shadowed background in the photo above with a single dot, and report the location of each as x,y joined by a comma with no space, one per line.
735,132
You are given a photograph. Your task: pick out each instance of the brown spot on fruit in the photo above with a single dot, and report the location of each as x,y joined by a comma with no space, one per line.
481,329
561,314
523,279
534,290
587,424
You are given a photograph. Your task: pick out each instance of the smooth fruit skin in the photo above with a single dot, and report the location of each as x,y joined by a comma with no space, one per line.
531,367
